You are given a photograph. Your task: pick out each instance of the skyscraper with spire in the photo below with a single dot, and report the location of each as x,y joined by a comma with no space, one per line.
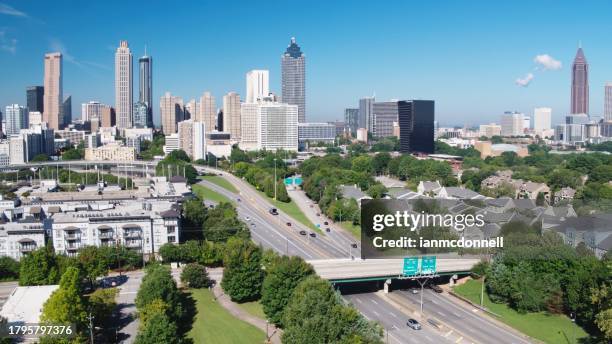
580,84
146,85
293,74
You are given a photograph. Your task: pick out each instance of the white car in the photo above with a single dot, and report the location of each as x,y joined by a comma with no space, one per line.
247,218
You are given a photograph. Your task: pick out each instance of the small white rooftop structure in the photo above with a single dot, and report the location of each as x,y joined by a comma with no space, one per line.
25,304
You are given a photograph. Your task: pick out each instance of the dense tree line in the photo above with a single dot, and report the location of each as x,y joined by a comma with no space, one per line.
260,173
177,163
537,271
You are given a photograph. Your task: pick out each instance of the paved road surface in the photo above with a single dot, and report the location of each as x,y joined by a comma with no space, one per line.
469,321
341,238
394,321
126,322
6,288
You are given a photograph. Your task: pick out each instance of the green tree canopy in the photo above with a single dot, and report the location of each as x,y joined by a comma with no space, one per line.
242,274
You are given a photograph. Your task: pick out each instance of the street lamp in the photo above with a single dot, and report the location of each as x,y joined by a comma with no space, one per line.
275,179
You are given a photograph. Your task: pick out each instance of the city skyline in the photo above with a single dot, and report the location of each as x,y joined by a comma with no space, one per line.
336,77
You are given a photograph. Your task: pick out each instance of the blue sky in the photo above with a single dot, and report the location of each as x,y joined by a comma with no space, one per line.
466,55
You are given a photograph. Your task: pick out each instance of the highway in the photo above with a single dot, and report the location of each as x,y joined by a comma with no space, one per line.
464,319
394,321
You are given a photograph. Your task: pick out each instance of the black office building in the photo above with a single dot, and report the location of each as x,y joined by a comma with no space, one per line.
416,122
35,98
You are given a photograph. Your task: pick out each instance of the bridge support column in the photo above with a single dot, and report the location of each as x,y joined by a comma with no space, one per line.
387,286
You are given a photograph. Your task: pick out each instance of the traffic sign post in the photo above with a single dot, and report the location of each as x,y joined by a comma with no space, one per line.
421,269
428,265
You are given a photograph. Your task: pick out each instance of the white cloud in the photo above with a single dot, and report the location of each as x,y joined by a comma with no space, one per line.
547,62
10,11
524,82
8,44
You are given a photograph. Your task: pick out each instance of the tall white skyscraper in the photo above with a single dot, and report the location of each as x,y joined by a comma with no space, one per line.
92,111
16,117
191,109
278,126
512,124
171,110
231,114
257,85
608,102
542,119
53,90
123,86
192,138
208,111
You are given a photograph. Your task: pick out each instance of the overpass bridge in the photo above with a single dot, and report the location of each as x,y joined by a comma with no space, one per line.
84,163
360,270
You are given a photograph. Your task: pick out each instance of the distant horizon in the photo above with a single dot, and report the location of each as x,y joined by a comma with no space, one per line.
497,57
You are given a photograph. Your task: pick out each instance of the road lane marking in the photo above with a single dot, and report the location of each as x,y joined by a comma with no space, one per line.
442,314
393,314
376,313
374,302
448,333
458,340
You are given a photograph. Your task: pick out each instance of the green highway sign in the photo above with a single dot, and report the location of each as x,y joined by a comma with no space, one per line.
428,265
411,266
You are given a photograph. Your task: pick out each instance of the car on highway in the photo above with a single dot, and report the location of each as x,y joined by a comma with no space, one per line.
253,224
326,223
247,218
238,199
273,211
289,224
414,290
318,214
312,206
353,245
436,288
413,324
302,232
312,234
327,230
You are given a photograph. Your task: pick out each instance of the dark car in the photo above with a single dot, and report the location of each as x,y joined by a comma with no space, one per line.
354,245
327,230
436,288
238,199
326,223
318,214
312,234
413,324
302,232
273,211
289,224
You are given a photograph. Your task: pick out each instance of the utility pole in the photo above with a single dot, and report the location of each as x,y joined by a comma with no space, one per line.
91,336
275,179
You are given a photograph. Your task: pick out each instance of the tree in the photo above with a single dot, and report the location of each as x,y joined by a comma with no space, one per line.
178,154
159,284
159,329
194,276
38,268
376,190
102,304
242,276
66,305
154,307
73,154
93,263
41,158
279,283
540,200
9,268
222,223
601,298
315,314
362,163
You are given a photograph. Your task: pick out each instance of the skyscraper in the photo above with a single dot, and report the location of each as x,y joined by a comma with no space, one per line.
293,78
384,114
608,102
171,110
53,85
191,110
366,119
580,84
123,86
15,118
541,119
207,112
66,113
145,94
140,114
35,98
278,126
351,118
416,122
231,114
257,85
249,127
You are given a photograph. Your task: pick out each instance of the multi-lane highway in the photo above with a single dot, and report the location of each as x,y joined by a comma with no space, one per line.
468,320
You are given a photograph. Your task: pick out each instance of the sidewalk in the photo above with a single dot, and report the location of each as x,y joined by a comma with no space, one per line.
235,310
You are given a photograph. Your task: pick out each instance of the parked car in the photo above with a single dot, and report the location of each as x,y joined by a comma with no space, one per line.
302,232
413,324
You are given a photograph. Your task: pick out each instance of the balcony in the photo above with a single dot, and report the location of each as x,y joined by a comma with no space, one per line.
105,235
72,236
133,244
132,235
27,248
72,247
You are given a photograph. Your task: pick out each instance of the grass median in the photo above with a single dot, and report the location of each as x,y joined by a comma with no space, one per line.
205,193
214,324
549,328
355,230
254,308
220,181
